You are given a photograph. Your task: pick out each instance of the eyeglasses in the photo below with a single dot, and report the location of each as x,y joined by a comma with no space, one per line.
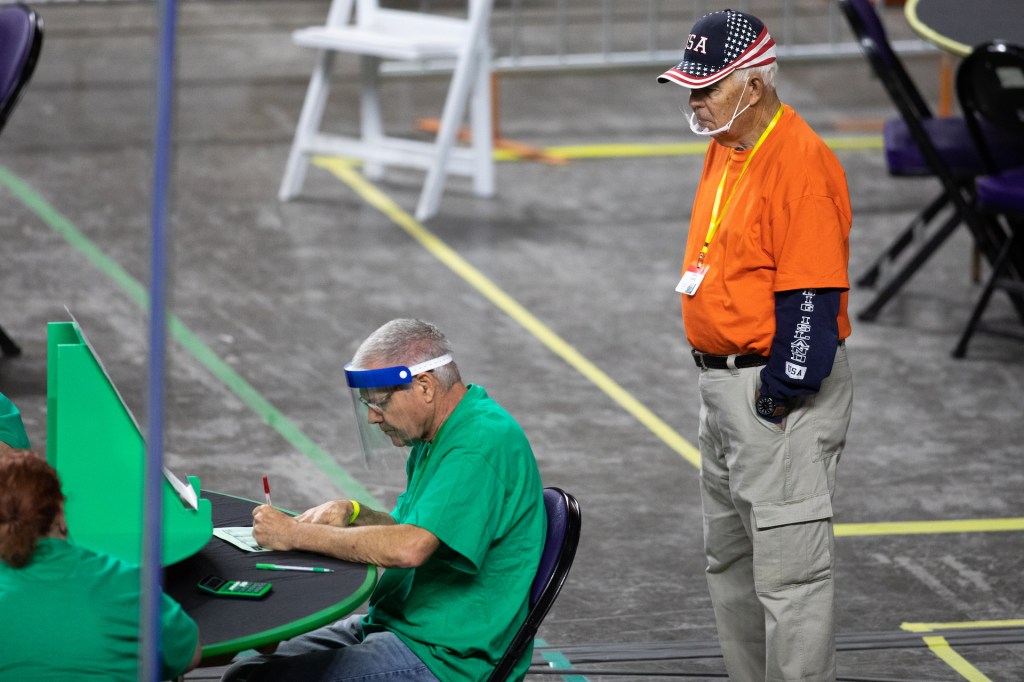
381,405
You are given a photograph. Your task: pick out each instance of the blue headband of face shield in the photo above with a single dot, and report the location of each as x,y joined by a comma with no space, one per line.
390,376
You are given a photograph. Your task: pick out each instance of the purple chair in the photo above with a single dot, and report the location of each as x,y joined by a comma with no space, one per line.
990,87
919,144
21,37
563,536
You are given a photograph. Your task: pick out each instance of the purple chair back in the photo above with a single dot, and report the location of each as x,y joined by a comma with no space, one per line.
557,513
870,32
990,87
21,37
563,536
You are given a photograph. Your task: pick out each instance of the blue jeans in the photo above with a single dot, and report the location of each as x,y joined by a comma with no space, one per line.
335,653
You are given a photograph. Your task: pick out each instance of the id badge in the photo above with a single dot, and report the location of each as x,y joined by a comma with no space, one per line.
692,278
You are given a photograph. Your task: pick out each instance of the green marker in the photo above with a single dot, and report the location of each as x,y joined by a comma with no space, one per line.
282,567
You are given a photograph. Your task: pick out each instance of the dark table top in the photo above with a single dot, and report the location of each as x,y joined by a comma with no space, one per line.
958,26
297,603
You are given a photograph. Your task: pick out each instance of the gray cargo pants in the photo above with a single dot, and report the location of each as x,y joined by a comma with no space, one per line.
767,496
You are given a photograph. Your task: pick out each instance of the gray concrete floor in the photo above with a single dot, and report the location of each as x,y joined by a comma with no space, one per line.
279,295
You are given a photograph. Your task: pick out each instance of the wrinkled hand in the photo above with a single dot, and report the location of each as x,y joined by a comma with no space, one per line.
272,528
334,513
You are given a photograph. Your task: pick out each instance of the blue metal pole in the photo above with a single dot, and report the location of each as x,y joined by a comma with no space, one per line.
152,564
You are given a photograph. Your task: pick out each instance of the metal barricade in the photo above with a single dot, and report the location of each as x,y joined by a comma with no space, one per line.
538,35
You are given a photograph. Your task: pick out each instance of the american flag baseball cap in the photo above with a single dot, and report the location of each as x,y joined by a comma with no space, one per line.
720,43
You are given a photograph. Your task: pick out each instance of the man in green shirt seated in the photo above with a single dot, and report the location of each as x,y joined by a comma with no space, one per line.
460,548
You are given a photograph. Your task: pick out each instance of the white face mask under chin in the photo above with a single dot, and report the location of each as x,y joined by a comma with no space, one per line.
695,125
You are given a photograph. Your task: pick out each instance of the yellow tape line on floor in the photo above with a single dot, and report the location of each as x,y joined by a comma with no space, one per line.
290,431
929,527
634,150
343,170
941,648
963,625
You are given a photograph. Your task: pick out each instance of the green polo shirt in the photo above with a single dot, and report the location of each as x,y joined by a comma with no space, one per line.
12,430
476,487
73,614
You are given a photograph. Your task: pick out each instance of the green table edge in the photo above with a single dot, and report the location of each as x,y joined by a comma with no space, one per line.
297,627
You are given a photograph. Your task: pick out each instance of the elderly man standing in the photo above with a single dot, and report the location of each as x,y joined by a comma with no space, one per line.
461,547
764,307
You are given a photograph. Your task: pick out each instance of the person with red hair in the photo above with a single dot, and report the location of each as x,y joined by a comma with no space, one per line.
70,612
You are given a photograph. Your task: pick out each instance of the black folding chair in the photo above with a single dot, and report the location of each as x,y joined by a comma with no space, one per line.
563,536
21,37
917,144
990,87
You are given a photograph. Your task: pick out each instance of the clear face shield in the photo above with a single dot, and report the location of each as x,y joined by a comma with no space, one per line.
382,411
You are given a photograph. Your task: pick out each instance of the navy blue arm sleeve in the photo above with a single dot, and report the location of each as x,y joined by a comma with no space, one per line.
804,347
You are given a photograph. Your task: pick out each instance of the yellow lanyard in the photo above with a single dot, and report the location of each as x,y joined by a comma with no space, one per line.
716,216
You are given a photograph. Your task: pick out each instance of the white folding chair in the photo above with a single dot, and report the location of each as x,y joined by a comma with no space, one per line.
379,34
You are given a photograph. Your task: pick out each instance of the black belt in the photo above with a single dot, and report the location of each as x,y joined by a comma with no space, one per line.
709,361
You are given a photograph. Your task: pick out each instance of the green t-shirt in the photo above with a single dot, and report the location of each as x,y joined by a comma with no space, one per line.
72,614
477,488
12,430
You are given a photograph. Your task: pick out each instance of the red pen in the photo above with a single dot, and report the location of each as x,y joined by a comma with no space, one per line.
266,489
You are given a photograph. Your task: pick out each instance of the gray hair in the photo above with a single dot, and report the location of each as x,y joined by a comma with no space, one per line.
408,342
766,73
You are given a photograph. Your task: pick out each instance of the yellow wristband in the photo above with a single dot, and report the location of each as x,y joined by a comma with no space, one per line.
355,512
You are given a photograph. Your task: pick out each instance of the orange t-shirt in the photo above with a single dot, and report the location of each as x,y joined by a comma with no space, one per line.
786,227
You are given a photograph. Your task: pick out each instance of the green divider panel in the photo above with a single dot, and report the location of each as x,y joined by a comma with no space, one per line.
94,443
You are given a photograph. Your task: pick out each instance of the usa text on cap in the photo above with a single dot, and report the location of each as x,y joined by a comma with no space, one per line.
720,43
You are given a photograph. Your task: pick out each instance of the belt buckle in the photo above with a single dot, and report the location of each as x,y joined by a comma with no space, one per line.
699,357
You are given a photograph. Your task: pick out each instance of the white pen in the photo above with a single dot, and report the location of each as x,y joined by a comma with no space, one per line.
284,567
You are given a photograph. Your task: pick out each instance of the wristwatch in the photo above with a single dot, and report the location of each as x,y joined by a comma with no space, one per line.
768,407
